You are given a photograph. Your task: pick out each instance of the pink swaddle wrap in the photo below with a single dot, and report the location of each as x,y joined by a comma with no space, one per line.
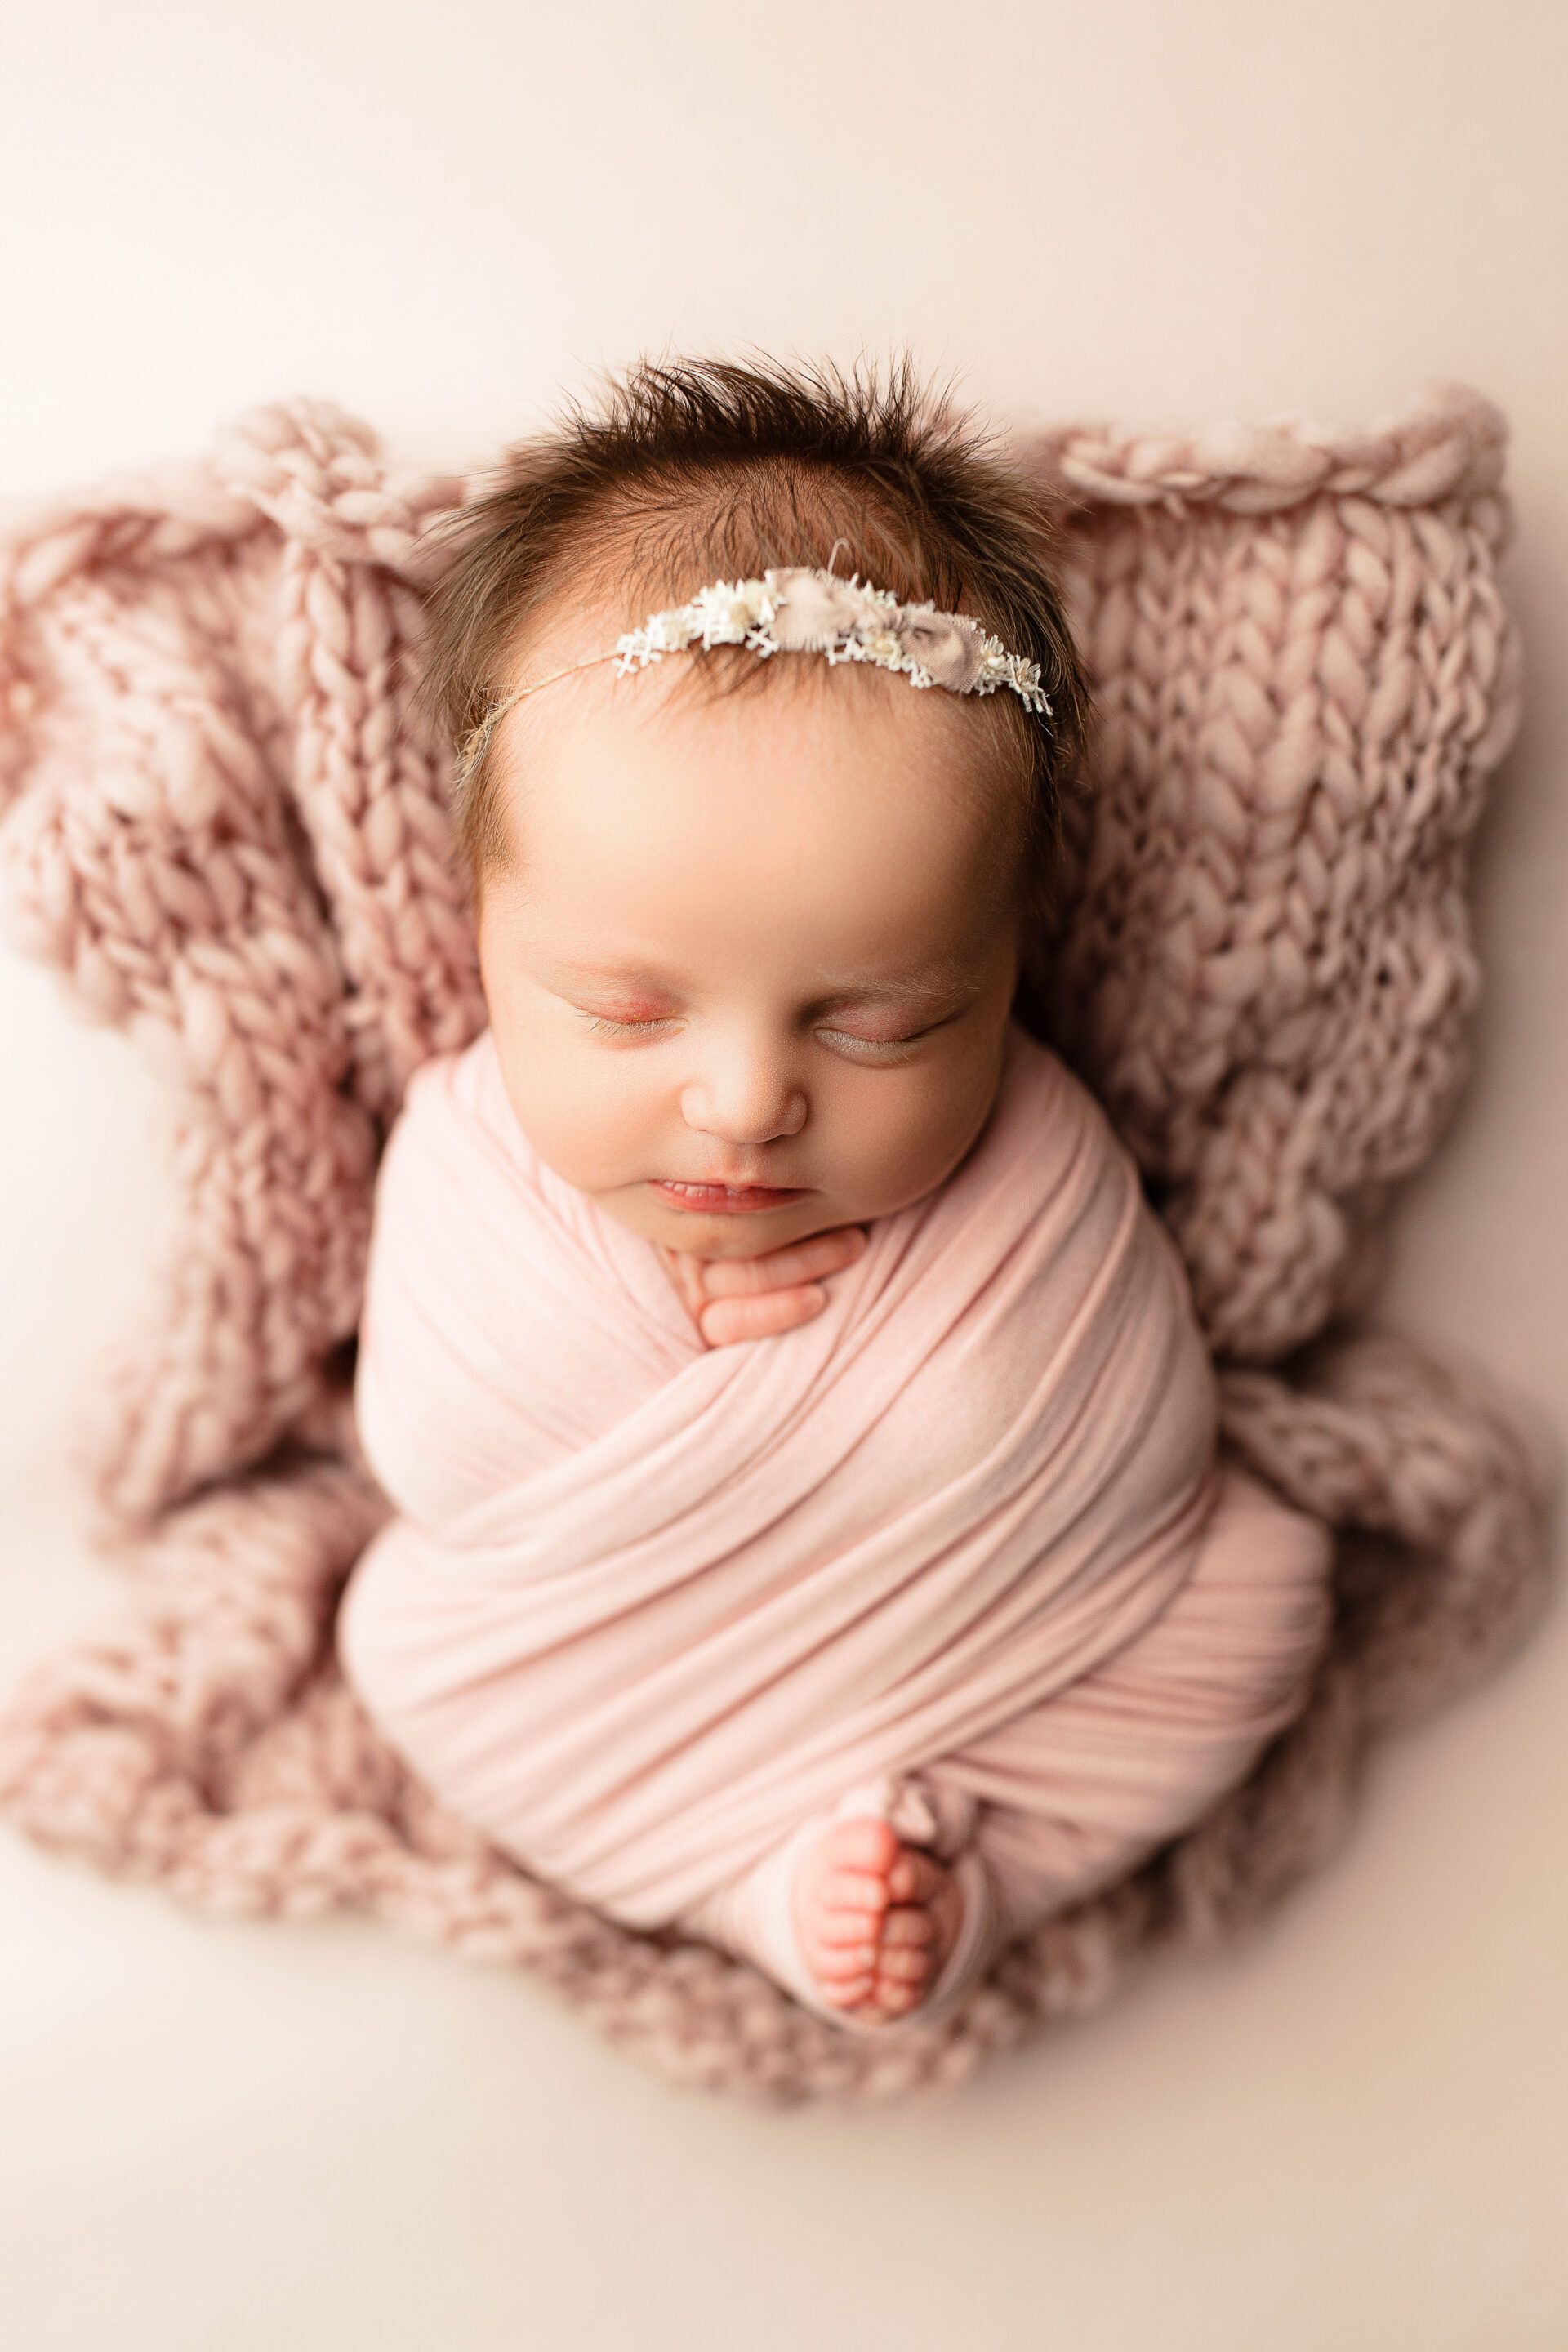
650,1612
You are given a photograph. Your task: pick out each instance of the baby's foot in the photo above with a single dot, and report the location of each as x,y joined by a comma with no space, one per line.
876,1919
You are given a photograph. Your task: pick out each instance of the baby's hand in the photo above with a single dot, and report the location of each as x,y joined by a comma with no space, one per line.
749,1298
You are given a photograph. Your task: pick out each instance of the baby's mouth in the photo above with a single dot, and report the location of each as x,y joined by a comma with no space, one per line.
723,1197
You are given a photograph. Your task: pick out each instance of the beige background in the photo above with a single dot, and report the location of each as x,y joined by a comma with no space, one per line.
1355,2132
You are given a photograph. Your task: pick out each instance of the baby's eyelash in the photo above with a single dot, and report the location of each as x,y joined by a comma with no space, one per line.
626,1028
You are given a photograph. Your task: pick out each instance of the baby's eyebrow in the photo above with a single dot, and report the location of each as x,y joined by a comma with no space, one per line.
928,978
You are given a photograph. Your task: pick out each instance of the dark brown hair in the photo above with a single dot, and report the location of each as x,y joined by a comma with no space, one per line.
693,470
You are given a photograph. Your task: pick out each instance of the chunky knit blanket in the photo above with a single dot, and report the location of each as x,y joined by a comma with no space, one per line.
222,821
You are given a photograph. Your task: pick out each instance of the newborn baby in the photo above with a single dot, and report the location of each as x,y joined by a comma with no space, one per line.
811,1532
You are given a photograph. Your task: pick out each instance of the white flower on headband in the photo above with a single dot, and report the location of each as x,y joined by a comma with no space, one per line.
726,613
817,609
948,649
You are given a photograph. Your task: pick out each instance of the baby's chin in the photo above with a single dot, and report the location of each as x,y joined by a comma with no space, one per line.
731,1233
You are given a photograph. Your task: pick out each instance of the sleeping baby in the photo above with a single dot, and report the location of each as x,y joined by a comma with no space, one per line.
810,1529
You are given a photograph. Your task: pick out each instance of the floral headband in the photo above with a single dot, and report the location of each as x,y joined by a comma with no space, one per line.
807,610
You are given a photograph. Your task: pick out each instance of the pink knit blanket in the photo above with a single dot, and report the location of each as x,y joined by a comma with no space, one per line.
225,829
648,1606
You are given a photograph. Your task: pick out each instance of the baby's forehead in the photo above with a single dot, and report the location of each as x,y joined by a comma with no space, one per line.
642,916
844,773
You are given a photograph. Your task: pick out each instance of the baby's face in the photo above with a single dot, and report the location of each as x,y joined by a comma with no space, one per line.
761,938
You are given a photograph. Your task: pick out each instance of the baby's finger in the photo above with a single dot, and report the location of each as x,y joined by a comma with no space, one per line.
782,1269
724,1320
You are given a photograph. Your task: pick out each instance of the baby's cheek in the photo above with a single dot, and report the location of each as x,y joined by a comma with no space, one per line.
591,1131
900,1159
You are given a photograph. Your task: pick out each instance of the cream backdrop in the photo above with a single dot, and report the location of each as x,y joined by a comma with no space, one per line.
1356,2131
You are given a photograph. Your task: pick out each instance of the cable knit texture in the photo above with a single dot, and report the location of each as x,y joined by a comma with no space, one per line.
224,823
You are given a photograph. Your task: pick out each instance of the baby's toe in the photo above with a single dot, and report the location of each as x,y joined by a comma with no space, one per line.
893,1997
835,1926
865,1843
847,1992
856,1891
837,1963
905,1955
915,1877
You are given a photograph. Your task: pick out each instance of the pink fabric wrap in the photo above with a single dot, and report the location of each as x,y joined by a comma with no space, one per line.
650,1612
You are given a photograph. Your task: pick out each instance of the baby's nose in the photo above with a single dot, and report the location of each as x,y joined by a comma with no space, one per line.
744,1101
